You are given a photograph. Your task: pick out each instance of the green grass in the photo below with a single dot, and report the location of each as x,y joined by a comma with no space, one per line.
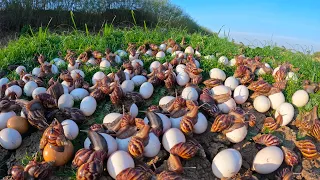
21,51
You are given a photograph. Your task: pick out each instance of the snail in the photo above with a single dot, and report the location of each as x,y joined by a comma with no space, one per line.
267,140
307,148
290,157
33,170
208,104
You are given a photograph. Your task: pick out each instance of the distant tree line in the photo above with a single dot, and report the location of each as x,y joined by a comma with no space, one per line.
17,14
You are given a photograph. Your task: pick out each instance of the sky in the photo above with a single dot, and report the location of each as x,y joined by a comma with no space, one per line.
294,24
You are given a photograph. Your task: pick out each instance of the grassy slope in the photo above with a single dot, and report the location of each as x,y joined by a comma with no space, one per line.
49,44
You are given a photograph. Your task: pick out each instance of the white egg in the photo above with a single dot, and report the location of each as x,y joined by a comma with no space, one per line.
300,98
160,55
153,146
123,143
179,53
154,65
121,53
182,78
118,59
75,72
166,123
149,53
237,135
232,62
207,57
91,61
267,160
29,87
88,105
127,86
189,50
227,106
109,118
165,100
65,101
119,161
104,65
65,89
131,57
134,62
146,90
175,122
36,71
10,138
97,76
4,116
69,86
261,104
70,129
201,125
162,47
15,88
223,60
291,76
221,89
217,74
190,93
197,63
231,82
19,69
127,71
172,137
75,66
276,99
169,50
79,93
275,70
38,90
54,69
138,80
287,112
112,143
134,110
260,71
3,81
197,53
180,68
226,163
57,59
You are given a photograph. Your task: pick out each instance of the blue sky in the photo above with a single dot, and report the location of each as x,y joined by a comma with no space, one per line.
294,24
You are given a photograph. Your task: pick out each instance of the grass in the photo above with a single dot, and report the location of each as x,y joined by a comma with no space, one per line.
21,51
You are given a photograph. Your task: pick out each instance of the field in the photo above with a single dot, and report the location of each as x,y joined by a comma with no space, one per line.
21,52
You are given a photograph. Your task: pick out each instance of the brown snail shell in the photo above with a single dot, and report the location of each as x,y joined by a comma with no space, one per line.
221,123
210,83
290,157
168,175
267,140
260,86
185,150
307,148
284,174
48,101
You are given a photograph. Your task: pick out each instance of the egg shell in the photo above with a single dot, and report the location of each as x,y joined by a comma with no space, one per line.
75,66
182,78
134,62
197,63
165,100
237,135
68,85
153,147
127,86
190,93
169,50
22,114
226,163
19,69
134,110
54,69
154,65
70,128
138,80
146,90
65,101
36,71
91,61
119,161
175,122
18,123
267,160
104,65
3,81
180,68
223,60
10,138
241,94
201,125
123,143
109,118
172,137
232,62
97,76
79,93
166,123
300,98
197,54
160,55
261,104
29,87
131,57
128,72
291,76
162,47
189,50
65,89
4,117
287,112
26,78
38,90
276,99
88,105
75,72
227,106
149,53
118,59
112,143
15,88
231,82
221,89
217,74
